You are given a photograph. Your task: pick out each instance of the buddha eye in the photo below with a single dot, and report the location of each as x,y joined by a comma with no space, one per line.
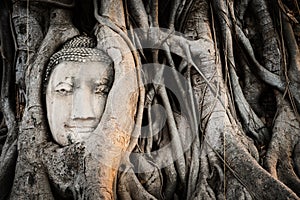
64,89
101,89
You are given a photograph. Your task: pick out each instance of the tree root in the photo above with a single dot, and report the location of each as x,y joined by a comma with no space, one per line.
170,182
129,187
136,132
252,86
271,52
243,166
267,76
279,159
203,189
8,163
61,3
174,136
148,174
255,126
241,7
174,9
65,168
139,15
230,144
9,150
296,159
33,131
294,61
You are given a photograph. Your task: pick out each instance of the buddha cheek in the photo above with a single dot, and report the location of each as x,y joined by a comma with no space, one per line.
99,105
58,116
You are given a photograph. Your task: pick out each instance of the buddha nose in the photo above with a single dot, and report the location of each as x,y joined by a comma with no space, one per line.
82,107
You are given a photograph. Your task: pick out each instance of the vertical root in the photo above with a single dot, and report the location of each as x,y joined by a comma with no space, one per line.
175,139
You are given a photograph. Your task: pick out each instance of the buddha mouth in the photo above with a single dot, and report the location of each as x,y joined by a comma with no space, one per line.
81,129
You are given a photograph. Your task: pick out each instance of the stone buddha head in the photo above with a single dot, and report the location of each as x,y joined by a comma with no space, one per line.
78,80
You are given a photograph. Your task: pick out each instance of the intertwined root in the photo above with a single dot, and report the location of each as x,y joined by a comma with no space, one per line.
282,156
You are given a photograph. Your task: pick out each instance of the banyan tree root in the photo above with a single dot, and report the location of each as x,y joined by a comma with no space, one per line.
29,34
210,171
140,17
61,3
65,169
255,126
146,173
231,145
271,50
292,75
33,181
118,122
129,187
227,140
9,150
281,158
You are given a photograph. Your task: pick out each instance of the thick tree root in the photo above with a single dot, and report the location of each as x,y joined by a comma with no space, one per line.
271,52
279,159
65,168
129,187
9,150
33,182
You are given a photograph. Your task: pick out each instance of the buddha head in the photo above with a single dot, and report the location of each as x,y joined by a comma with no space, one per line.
78,80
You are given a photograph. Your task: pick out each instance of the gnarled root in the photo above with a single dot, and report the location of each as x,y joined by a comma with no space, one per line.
30,178
283,148
129,187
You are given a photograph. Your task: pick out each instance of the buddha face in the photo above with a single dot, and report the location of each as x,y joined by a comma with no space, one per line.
75,99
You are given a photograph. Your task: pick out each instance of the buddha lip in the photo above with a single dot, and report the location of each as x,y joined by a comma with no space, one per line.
82,129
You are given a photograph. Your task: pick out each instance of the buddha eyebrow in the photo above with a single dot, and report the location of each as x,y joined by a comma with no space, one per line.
103,81
68,80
